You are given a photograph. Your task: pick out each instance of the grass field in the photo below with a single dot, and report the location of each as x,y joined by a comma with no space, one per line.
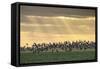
54,57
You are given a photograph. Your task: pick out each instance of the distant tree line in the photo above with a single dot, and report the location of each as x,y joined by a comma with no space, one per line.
59,46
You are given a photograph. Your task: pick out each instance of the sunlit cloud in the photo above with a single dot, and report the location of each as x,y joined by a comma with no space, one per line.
61,17
56,25
37,25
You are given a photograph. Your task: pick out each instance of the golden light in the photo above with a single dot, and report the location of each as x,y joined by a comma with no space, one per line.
56,22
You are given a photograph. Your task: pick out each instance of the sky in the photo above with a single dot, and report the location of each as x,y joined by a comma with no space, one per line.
43,24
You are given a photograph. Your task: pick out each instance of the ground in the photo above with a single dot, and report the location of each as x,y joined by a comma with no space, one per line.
29,57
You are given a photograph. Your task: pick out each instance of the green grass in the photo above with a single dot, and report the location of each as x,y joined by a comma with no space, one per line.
54,57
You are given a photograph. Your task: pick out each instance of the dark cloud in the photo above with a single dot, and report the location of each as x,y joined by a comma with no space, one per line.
53,11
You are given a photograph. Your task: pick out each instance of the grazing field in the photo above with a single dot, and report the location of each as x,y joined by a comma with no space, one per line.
29,57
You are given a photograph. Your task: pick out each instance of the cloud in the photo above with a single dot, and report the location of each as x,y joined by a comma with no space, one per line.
60,25
53,11
57,20
43,24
